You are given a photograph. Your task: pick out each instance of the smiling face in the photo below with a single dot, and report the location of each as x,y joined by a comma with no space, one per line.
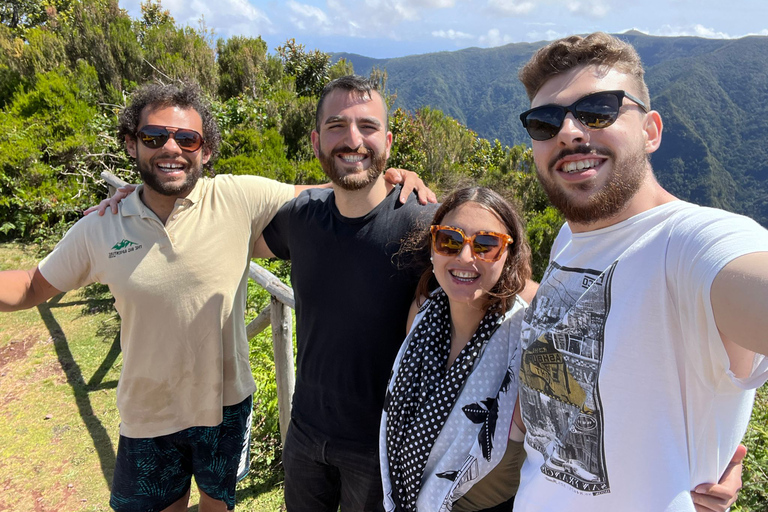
169,170
465,278
593,176
352,142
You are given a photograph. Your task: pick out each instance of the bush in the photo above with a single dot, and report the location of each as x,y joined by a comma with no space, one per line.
754,494
47,138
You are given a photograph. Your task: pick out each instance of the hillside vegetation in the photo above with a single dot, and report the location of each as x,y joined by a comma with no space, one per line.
711,95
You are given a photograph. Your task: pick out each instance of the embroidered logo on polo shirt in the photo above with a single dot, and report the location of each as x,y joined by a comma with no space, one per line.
123,247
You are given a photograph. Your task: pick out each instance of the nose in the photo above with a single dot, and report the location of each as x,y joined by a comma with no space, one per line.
466,254
572,131
171,146
354,139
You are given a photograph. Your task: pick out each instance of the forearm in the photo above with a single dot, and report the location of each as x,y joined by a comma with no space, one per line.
15,286
23,289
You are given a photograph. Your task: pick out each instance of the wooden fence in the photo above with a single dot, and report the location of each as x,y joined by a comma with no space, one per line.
277,313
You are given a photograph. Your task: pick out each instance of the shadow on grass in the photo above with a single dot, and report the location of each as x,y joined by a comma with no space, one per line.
80,389
98,300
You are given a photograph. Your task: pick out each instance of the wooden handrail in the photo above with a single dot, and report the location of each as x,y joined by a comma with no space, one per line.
277,313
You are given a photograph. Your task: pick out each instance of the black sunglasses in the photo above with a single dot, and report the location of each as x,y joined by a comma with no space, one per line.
597,110
153,137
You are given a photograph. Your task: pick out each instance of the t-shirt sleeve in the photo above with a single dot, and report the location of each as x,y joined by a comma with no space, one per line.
276,232
704,243
68,266
263,197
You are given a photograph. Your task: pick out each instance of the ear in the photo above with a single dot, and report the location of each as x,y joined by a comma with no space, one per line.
206,155
130,145
652,128
316,143
389,143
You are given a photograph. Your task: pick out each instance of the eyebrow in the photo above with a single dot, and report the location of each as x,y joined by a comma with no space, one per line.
370,119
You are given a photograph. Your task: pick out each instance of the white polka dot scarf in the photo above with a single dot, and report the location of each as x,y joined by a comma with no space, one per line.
424,393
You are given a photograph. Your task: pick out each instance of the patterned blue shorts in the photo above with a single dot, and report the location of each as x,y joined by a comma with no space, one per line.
153,473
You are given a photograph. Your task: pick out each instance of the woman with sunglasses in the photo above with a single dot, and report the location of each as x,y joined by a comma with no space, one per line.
450,400
448,440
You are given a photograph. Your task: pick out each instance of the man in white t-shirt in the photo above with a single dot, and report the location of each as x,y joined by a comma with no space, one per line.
641,347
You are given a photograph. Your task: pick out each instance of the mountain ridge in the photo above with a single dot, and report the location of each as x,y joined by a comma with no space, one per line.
711,94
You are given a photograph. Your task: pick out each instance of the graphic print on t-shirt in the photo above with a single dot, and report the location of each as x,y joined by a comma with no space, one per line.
562,341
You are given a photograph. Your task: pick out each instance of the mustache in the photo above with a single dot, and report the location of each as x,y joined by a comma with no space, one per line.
363,150
581,149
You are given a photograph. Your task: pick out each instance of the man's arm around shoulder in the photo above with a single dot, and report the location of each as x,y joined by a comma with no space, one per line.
24,289
261,249
739,296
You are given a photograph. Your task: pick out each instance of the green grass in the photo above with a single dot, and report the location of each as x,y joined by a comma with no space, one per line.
59,366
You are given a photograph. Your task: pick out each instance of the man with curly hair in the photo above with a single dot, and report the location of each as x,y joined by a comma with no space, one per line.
175,257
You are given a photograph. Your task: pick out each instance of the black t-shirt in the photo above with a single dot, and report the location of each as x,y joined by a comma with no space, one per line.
352,302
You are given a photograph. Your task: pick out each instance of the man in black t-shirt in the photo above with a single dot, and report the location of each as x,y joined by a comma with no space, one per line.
351,302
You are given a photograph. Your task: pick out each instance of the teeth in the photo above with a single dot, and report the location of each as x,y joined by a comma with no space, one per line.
352,158
464,275
579,165
171,166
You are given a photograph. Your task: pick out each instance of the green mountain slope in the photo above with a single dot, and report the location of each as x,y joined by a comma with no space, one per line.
712,95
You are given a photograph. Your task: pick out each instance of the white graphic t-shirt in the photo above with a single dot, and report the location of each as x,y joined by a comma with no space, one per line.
625,386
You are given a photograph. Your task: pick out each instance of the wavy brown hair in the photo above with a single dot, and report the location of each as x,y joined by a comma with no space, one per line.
596,49
517,267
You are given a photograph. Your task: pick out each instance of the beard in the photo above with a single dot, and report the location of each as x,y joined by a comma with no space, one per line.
352,181
151,179
625,180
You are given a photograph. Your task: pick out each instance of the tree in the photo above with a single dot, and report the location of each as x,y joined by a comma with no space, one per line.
101,33
46,135
173,53
309,69
343,67
21,15
242,62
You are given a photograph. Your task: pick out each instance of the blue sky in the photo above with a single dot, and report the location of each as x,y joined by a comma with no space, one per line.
394,28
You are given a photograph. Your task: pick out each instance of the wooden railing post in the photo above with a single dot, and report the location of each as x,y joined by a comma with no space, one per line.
282,344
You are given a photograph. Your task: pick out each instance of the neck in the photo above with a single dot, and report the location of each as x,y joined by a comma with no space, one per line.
465,319
357,203
160,204
649,196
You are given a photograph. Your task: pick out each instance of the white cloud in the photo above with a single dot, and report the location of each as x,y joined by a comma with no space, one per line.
589,8
519,8
452,34
511,7
308,17
494,38
431,4
229,17
546,35
697,30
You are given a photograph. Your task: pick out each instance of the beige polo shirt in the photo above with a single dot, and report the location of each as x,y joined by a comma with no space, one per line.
180,289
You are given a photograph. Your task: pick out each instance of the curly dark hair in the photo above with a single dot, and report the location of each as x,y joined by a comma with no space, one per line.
517,267
598,49
187,96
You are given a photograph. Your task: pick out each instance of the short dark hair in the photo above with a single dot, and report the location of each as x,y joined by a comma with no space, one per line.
187,96
597,49
364,87
517,267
